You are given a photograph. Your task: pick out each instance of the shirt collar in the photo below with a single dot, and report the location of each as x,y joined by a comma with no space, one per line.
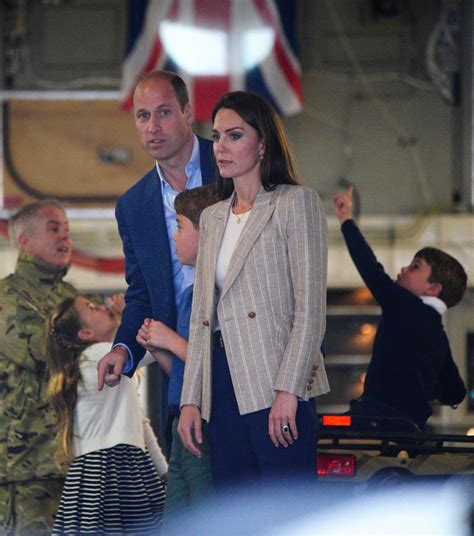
437,304
194,162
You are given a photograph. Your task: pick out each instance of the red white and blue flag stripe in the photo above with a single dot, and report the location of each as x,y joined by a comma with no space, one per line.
217,46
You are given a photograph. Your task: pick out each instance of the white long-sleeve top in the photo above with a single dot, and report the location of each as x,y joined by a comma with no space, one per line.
103,419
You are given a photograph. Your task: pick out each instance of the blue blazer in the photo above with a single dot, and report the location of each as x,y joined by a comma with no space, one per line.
148,271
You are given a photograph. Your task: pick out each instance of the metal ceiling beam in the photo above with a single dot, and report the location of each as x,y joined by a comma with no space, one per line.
468,106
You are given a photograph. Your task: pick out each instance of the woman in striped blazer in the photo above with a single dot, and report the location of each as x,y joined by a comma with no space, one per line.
258,320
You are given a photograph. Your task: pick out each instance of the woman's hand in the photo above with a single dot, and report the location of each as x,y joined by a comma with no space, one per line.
282,419
189,420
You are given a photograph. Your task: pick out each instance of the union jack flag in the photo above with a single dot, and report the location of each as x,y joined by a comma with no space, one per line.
217,46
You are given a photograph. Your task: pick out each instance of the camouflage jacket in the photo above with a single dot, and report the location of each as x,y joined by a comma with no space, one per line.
27,422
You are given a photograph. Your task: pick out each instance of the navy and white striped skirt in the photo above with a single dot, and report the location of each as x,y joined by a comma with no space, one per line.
111,491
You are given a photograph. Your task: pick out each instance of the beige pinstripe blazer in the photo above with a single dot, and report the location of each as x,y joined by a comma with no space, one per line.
272,308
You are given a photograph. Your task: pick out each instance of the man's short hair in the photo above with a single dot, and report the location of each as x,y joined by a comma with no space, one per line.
176,83
447,271
23,221
191,203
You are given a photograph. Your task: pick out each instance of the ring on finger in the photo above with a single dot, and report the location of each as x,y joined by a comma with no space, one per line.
285,428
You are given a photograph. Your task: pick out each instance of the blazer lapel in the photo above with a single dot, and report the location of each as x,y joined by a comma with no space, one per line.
261,213
156,232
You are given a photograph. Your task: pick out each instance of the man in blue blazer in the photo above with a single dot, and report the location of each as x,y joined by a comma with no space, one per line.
146,217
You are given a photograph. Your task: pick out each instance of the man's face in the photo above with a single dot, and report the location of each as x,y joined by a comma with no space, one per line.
186,240
97,321
415,277
163,128
49,240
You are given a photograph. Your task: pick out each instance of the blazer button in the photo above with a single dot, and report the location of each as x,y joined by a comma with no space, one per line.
206,323
252,314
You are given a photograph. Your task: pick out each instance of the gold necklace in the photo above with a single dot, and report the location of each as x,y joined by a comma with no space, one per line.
238,217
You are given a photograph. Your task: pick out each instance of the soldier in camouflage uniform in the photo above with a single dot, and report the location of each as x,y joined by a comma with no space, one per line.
30,481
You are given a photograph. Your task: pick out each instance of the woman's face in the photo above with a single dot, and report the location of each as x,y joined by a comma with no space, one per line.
237,147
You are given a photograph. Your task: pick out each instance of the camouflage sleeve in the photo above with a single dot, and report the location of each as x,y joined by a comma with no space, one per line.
22,339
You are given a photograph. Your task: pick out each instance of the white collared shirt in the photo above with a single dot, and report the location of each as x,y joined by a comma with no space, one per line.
437,304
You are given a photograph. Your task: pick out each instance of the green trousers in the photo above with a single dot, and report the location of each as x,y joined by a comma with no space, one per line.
28,508
189,478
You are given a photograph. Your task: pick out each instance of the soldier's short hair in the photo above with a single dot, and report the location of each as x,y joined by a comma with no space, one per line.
23,221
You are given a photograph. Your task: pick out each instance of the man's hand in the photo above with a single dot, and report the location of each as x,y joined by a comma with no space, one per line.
189,420
282,419
343,205
110,367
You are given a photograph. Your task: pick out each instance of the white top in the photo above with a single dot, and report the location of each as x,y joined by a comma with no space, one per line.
234,227
103,419
233,230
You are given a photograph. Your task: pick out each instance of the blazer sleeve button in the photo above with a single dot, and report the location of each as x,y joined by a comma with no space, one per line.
309,387
252,314
205,323
311,381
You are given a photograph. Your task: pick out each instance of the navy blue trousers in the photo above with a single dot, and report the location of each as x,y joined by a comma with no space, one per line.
240,448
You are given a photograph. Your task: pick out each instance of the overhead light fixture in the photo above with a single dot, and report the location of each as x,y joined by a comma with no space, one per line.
210,52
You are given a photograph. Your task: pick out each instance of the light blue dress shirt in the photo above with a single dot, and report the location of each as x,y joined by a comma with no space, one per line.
183,276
